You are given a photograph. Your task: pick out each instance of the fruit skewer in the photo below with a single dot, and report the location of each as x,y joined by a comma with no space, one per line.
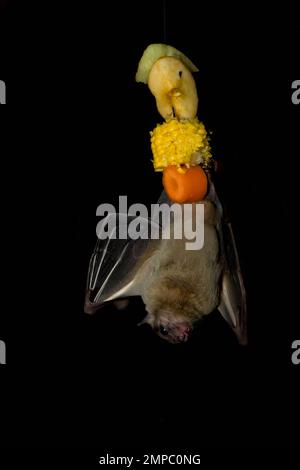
180,145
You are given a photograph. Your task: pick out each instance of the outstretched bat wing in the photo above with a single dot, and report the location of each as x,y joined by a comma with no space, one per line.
233,305
118,264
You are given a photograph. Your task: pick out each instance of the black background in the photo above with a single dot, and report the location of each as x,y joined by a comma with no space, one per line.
75,134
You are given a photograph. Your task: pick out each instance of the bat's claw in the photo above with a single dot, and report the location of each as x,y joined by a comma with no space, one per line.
89,306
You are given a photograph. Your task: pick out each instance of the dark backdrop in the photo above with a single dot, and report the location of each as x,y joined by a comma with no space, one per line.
75,134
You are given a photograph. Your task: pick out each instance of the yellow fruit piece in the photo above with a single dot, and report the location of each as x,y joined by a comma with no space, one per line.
174,88
179,143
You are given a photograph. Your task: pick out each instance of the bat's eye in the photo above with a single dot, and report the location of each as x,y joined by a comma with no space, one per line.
163,331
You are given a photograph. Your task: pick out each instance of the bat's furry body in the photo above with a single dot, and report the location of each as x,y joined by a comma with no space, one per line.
183,285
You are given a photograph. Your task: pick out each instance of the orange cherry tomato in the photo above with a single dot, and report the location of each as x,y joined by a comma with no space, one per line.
190,186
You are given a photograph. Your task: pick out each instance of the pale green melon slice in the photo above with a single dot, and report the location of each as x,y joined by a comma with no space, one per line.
155,52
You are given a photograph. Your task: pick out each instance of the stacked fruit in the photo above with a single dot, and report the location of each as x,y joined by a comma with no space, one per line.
180,145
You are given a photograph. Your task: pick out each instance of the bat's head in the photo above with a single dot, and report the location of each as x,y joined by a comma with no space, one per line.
169,325
172,308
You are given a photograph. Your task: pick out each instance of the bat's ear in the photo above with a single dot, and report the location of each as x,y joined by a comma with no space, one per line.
148,319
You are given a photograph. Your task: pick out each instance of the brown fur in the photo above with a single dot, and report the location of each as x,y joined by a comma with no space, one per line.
183,285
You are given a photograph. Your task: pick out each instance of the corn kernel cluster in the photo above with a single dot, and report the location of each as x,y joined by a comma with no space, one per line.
179,143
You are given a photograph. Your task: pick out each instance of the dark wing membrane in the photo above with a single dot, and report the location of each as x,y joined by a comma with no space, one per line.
233,305
115,268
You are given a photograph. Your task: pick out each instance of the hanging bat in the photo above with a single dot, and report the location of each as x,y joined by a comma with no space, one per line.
178,286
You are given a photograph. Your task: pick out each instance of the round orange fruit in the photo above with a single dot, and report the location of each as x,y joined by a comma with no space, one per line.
190,186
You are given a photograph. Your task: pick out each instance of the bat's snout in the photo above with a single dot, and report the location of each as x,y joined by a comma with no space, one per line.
183,334
179,332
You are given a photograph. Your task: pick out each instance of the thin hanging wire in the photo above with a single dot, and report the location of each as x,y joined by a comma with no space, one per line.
165,20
